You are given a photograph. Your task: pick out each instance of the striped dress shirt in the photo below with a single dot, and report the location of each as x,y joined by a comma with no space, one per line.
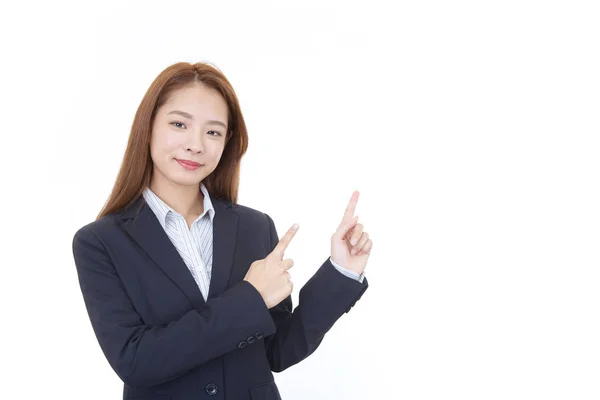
195,244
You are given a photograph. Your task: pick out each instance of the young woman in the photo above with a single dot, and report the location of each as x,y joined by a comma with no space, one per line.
187,291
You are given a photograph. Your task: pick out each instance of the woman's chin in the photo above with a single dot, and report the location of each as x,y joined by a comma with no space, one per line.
186,180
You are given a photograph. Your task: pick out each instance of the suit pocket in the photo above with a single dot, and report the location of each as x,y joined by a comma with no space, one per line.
265,391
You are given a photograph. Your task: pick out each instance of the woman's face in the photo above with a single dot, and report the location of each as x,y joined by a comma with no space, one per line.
190,126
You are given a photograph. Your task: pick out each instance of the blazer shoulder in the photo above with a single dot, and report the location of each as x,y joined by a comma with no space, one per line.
260,222
94,228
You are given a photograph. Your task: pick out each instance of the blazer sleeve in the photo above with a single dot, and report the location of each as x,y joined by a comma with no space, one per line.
143,355
322,301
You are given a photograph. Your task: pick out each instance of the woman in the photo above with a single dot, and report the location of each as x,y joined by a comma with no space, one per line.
187,291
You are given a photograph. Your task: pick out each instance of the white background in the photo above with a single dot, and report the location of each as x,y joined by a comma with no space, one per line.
470,128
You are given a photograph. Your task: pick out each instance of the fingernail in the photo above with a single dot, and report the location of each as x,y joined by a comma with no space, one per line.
295,227
353,251
353,241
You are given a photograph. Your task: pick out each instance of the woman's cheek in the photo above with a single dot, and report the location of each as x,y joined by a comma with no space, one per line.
173,140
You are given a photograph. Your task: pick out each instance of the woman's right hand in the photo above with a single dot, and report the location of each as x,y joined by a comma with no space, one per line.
270,275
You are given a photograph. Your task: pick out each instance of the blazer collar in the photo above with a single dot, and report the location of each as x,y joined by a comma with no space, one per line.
144,228
162,209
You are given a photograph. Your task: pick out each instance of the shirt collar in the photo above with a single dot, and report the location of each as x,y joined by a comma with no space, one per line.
162,209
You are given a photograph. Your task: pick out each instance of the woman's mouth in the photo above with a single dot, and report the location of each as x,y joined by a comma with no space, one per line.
188,164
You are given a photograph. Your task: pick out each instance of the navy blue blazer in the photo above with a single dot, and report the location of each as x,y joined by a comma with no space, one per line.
165,341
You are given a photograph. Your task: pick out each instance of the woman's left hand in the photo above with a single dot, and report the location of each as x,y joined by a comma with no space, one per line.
350,244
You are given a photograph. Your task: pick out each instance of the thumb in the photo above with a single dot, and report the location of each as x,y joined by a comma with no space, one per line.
344,228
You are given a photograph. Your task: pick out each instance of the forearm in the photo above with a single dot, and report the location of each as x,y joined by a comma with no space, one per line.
322,301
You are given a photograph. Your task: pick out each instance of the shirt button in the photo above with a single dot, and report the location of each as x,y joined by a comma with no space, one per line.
211,389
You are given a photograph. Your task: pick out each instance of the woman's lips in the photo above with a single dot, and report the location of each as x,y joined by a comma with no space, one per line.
187,164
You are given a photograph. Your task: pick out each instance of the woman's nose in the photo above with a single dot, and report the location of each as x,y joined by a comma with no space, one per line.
196,144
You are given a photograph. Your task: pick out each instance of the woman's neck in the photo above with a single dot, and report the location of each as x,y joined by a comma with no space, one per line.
186,200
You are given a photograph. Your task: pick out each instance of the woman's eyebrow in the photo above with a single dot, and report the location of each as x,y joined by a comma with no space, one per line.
190,116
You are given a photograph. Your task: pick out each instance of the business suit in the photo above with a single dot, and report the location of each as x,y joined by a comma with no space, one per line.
165,341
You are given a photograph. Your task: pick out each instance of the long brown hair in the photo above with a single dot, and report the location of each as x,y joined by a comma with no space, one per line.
136,168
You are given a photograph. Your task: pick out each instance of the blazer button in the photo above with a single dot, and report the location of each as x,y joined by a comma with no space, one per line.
212,389
259,335
242,344
250,339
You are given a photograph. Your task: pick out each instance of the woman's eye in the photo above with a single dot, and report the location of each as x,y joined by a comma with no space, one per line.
181,125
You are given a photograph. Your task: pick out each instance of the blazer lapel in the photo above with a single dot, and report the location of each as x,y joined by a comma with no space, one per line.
142,225
225,227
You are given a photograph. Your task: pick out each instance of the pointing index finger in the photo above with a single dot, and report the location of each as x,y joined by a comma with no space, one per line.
284,242
349,214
